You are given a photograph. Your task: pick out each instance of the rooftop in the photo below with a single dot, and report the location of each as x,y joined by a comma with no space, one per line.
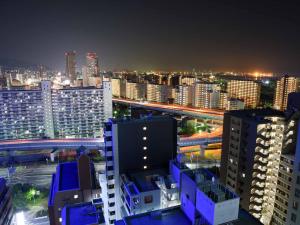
68,176
65,178
168,216
255,114
140,120
83,213
145,180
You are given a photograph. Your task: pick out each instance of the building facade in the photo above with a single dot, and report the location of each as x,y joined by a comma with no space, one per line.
151,143
157,93
205,95
246,90
183,95
116,87
284,87
251,149
47,112
71,66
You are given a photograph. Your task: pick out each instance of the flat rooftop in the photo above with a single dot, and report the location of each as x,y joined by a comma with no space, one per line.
140,120
65,178
83,213
68,178
255,114
169,216
144,180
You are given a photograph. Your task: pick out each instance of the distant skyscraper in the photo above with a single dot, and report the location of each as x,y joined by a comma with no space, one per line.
92,64
71,65
284,86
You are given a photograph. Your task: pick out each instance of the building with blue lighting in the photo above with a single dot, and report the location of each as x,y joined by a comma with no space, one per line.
82,214
6,210
204,201
134,150
73,182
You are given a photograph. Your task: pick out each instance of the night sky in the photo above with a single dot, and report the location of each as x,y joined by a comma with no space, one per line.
151,34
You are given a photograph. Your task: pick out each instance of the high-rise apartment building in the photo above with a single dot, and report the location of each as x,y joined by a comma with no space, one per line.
91,71
251,149
71,65
134,145
157,93
205,95
22,114
284,87
183,95
246,90
6,207
116,87
48,112
188,80
283,189
235,104
132,90
92,64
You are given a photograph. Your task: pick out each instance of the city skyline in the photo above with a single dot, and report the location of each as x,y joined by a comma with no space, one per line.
257,36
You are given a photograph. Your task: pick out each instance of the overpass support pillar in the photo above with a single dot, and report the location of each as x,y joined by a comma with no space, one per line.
202,151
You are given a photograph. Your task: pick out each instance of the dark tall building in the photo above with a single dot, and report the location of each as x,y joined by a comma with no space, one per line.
71,65
6,211
252,145
133,145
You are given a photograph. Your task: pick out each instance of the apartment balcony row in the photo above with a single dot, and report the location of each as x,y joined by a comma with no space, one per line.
259,160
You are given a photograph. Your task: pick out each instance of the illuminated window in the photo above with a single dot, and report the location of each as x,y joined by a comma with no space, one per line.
145,167
144,138
145,157
60,219
148,199
75,196
144,128
145,148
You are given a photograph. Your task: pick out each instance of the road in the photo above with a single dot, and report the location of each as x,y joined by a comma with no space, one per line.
24,144
210,113
36,174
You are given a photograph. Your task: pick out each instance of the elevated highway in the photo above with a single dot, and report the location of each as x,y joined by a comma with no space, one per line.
175,109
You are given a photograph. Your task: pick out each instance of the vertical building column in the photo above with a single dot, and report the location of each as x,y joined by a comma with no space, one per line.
107,100
47,105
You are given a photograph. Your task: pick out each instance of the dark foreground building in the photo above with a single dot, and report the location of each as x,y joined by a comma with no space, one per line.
6,211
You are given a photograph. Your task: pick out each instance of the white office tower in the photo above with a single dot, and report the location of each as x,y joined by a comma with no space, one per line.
47,105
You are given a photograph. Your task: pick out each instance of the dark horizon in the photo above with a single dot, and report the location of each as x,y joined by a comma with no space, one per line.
154,35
